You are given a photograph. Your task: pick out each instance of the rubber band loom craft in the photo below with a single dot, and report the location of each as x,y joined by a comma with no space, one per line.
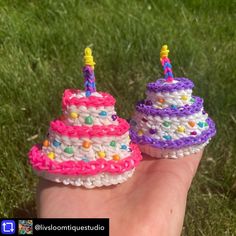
171,122
89,145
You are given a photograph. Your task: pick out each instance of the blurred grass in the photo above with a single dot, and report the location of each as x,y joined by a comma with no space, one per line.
41,49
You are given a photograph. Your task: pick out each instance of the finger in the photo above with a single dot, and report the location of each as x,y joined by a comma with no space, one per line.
183,168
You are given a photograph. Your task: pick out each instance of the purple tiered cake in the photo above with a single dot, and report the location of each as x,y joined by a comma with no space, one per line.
170,122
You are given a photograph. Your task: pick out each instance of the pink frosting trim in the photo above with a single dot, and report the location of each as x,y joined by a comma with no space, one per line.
105,100
60,127
41,162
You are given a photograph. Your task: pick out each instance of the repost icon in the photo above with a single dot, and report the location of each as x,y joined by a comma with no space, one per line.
8,227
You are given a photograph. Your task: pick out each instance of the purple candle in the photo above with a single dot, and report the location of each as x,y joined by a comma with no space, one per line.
88,71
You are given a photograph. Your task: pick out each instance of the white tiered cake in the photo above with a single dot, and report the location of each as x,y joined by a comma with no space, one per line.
89,144
170,122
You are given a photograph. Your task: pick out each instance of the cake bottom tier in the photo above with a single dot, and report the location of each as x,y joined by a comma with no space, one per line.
171,153
99,180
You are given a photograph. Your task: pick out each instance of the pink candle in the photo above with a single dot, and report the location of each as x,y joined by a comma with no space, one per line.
165,61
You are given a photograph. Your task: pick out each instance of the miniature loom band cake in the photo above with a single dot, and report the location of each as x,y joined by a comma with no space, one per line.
89,144
171,122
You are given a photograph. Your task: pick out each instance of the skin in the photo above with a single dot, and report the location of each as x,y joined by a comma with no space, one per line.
152,202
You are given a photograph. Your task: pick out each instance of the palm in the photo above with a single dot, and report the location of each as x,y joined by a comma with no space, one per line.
150,203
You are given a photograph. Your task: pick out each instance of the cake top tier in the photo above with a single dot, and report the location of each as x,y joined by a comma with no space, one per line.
168,83
78,98
89,97
161,85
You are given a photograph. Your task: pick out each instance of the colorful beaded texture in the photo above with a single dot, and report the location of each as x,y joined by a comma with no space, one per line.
41,162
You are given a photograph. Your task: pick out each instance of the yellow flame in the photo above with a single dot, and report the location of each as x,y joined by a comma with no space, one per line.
164,51
88,58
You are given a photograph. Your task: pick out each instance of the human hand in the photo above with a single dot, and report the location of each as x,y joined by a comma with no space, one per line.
152,202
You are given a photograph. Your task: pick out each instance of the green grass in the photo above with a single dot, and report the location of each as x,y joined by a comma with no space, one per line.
41,50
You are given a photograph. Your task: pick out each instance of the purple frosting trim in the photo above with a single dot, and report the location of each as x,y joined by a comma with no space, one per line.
179,111
179,143
159,85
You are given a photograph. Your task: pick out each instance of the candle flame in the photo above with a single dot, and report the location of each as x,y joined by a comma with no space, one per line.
88,58
164,52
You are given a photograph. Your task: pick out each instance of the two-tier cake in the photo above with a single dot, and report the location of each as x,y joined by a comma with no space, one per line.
171,122
89,144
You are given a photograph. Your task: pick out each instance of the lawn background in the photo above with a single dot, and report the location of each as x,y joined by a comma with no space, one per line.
41,52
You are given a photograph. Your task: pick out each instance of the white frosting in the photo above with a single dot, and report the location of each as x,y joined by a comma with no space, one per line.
173,82
94,112
99,180
176,98
157,122
171,153
82,94
98,144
